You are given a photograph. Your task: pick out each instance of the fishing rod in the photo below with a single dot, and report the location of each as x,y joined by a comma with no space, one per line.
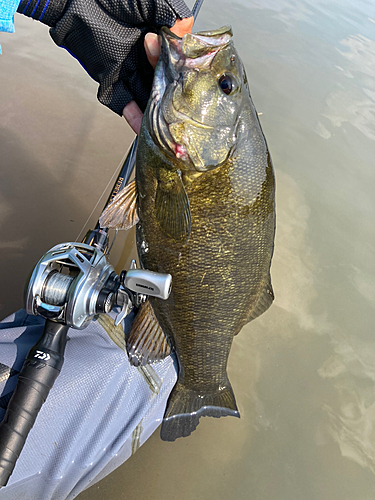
71,284
95,237
128,165
99,236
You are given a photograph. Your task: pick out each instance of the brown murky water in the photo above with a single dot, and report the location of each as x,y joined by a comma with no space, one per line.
304,373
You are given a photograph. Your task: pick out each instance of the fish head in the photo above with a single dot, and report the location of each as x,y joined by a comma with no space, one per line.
197,98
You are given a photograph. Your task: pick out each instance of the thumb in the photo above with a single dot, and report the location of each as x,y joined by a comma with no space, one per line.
152,43
152,47
182,26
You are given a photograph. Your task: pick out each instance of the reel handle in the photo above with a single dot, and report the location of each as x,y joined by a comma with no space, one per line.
36,378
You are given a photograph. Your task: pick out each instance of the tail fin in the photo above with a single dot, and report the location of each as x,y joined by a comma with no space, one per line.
186,406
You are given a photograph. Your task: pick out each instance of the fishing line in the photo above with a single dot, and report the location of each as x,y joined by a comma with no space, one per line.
54,293
128,160
101,196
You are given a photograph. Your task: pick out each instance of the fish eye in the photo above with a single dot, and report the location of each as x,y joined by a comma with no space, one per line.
227,83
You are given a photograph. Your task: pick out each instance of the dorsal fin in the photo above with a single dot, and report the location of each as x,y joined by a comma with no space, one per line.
121,213
146,342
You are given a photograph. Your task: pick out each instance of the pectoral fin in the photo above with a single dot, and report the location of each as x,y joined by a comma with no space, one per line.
121,213
172,206
146,342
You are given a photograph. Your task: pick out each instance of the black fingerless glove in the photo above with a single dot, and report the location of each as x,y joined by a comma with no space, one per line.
106,36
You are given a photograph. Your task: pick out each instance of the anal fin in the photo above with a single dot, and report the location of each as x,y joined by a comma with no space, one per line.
146,342
121,213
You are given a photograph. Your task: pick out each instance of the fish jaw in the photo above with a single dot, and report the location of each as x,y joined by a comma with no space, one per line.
193,134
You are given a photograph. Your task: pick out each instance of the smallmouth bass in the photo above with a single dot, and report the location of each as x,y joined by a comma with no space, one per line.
203,201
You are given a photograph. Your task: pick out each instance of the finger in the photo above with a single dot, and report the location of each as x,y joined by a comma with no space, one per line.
152,47
152,43
133,115
182,26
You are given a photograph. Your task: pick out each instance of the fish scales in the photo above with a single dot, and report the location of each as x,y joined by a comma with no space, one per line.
206,213
220,272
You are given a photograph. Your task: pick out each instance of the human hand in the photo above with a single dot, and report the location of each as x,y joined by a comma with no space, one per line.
107,38
132,113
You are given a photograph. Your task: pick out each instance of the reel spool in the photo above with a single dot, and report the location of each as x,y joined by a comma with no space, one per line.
70,284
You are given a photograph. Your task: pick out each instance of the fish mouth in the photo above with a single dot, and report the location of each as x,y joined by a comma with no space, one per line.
191,51
160,128
161,98
162,135
195,46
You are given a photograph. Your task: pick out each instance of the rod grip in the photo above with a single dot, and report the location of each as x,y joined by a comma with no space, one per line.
36,378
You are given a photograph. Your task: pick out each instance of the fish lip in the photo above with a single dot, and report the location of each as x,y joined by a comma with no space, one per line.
176,53
160,131
210,41
165,31
170,48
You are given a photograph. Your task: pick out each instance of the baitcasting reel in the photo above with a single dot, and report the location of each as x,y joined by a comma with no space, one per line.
70,285
73,282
